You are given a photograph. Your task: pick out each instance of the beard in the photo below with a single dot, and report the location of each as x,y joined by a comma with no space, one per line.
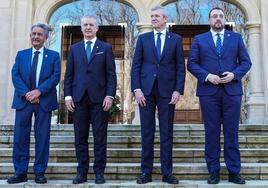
217,26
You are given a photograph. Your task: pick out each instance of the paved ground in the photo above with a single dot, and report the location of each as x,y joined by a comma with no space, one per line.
131,184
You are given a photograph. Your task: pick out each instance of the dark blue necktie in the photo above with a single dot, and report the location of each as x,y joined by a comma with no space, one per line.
158,45
33,70
218,44
88,50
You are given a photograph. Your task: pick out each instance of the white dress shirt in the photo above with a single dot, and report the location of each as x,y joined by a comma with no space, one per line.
92,44
39,63
162,36
215,36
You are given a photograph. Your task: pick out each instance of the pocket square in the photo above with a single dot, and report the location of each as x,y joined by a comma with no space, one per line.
98,53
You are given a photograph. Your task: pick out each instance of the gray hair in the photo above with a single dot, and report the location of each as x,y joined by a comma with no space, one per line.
92,17
43,26
159,7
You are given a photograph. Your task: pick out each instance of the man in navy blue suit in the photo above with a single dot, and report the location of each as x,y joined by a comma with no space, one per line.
157,79
35,75
89,89
219,60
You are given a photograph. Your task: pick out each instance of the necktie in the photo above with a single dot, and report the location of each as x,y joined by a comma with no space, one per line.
158,45
33,70
218,44
88,50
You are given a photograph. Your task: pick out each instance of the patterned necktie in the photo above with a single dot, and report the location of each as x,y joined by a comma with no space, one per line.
218,44
33,70
88,50
158,45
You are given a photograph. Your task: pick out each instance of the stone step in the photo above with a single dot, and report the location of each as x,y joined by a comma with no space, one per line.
179,141
126,155
132,184
129,171
132,130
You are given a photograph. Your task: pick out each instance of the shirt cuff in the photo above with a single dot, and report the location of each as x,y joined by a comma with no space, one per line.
110,97
137,90
67,98
207,77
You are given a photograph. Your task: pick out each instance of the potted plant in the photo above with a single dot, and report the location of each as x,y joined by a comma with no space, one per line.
114,111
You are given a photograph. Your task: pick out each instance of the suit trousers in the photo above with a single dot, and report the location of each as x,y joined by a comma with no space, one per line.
22,132
147,116
217,109
86,113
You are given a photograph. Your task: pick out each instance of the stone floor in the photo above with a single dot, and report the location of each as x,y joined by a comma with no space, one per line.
132,184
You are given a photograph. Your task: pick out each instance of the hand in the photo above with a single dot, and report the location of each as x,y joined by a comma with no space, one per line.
228,77
175,97
31,96
140,98
214,79
35,101
107,103
70,105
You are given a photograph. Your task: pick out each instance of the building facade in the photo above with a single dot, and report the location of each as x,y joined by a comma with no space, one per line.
17,16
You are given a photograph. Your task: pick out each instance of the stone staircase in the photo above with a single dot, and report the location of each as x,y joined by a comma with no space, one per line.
124,157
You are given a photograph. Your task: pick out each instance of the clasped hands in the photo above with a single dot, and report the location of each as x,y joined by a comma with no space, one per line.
33,96
215,79
107,103
142,101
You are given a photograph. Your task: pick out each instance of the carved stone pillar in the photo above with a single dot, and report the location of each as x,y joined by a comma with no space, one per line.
264,49
256,102
144,27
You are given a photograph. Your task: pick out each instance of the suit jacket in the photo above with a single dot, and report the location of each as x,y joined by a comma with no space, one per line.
169,70
203,59
97,77
48,79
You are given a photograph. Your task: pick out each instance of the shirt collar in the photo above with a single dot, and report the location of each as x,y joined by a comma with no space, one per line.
92,40
163,32
215,33
41,50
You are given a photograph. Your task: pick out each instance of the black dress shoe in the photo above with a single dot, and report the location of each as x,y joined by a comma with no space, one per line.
40,178
170,179
236,178
99,179
17,178
214,178
144,178
80,178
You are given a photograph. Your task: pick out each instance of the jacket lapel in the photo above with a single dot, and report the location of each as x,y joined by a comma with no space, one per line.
211,42
95,50
82,49
44,62
166,45
152,41
226,41
28,60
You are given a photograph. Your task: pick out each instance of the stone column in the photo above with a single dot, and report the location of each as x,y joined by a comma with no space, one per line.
19,18
264,49
256,101
6,13
144,27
